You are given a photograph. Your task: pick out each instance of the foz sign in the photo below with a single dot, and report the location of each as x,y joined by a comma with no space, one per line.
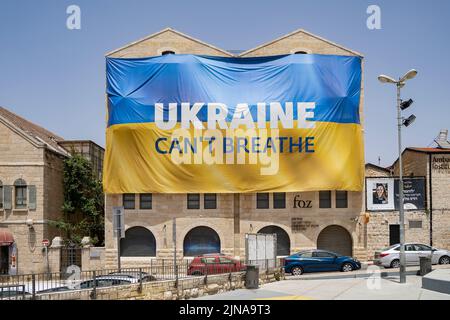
298,203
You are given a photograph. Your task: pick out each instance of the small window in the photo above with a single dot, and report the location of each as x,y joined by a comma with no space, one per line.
226,260
341,199
210,200
193,201
20,187
209,260
301,52
145,201
279,200
167,52
415,224
324,199
128,201
262,201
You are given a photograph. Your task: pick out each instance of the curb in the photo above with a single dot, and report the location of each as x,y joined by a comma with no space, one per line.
382,274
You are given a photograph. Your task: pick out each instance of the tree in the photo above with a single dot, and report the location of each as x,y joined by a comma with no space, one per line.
83,208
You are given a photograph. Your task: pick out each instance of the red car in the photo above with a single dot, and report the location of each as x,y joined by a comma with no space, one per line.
214,264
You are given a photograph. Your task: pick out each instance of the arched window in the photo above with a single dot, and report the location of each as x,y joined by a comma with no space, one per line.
201,240
301,52
283,241
167,52
1,194
20,194
138,242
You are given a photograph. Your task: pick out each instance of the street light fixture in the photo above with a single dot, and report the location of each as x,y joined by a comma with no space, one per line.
401,105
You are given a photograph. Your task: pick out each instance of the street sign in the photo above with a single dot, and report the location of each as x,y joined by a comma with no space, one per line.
118,222
45,242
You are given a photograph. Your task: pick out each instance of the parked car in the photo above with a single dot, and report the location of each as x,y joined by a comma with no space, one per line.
14,292
390,257
319,260
214,264
146,277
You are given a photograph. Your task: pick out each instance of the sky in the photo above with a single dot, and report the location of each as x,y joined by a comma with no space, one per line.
55,77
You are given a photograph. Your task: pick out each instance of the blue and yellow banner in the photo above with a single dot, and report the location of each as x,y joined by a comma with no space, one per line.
203,124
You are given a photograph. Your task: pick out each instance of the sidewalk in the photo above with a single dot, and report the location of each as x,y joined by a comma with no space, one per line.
336,289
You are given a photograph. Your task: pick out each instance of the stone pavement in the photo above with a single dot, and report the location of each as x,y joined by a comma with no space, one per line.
336,289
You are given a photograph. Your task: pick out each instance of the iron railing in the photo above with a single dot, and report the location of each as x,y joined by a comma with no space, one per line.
40,285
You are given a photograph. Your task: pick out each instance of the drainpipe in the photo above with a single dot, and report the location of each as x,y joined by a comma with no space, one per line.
430,187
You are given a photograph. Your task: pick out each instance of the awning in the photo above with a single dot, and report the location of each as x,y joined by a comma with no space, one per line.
6,237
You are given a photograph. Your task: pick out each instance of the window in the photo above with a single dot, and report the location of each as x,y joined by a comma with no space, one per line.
324,199
226,260
20,187
145,201
341,199
262,201
422,247
301,52
410,247
193,201
279,200
128,200
1,195
322,254
167,52
306,254
415,224
208,260
210,201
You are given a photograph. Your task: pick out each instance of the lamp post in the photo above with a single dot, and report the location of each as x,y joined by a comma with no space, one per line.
401,105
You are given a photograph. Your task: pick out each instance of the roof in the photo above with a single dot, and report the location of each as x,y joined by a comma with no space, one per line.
429,150
236,53
377,167
38,134
174,31
305,32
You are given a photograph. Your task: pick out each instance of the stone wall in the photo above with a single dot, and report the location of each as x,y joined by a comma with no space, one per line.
167,290
39,167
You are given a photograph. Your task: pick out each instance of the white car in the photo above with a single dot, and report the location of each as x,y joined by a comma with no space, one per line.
390,257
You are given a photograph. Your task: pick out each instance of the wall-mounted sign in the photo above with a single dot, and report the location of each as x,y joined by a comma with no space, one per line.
382,194
413,193
441,163
301,203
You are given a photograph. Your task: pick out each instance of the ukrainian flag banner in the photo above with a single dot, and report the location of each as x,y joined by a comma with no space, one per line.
188,123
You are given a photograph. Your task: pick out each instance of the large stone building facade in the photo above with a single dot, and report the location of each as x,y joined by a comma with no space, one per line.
219,222
31,192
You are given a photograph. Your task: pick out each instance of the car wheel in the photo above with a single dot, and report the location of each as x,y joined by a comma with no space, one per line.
347,267
197,273
297,271
395,263
444,260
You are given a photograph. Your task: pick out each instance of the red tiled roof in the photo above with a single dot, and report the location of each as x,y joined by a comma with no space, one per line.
430,150
36,132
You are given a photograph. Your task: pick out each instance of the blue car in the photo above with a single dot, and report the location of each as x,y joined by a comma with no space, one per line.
319,260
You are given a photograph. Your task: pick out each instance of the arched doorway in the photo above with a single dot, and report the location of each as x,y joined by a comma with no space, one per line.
201,240
336,239
138,242
283,241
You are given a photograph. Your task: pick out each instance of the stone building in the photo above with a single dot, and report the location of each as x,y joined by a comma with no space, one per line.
31,192
218,222
434,165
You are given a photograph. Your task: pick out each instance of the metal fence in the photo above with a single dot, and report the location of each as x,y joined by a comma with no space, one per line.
38,286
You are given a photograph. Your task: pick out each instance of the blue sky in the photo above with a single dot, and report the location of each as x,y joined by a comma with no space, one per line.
55,77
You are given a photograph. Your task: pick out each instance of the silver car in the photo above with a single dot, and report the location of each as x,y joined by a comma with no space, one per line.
390,257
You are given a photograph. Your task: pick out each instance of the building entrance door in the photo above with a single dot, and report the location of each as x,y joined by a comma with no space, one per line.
4,259
394,234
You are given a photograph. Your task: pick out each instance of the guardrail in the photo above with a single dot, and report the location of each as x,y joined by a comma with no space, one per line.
37,286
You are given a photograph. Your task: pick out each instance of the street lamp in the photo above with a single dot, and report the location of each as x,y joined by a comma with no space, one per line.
401,105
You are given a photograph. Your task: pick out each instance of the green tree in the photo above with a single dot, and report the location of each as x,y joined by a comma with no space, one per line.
83,208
